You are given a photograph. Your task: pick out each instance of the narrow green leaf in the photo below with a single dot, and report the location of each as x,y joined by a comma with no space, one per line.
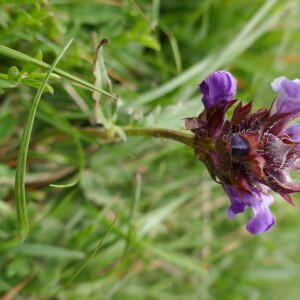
132,2
184,262
81,160
27,59
21,165
150,221
41,250
174,46
252,30
7,83
87,261
131,233
10,123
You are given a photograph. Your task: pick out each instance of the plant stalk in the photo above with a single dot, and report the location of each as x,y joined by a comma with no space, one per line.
181,136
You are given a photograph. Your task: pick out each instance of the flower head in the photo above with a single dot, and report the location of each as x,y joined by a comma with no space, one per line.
253,152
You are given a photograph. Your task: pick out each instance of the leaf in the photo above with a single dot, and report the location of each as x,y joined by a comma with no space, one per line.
22,157
149,41
41,250
7,83
10,122
90,257
101,80
182,261
37,83
30,68
156,217
25,58
132,2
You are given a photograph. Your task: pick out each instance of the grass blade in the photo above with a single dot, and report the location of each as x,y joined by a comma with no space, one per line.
14,54
88,259
81,160
21,165
216,61
132,2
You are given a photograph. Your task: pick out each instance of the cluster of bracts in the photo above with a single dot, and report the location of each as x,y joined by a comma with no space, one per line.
252,152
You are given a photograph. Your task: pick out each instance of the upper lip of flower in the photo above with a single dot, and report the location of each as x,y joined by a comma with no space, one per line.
220,87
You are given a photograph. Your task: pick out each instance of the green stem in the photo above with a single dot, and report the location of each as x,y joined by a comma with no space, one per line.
183,136
14,54
23,151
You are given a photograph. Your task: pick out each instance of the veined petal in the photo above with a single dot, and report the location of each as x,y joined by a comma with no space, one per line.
220,87
288,99
262,220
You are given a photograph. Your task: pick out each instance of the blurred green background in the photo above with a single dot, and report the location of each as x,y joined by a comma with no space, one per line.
172,238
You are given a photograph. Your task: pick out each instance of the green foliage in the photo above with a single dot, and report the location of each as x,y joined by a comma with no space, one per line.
30,76
172,238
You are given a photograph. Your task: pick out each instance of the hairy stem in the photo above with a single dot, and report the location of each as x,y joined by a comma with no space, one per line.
183,136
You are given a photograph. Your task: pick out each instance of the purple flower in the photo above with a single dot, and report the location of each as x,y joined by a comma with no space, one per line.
288,99
220,87
252,152
262,220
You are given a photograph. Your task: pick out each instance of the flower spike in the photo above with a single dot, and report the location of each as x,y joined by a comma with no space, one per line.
253,152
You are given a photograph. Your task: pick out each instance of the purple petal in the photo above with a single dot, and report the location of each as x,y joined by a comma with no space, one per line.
294,132
288,99
262,220
276,84
220,87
